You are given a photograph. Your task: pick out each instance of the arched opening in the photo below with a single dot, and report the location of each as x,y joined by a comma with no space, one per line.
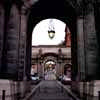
69,18
15,41
56,35
49,32
50,70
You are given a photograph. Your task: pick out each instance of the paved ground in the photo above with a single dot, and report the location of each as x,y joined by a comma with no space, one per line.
50,75
50,90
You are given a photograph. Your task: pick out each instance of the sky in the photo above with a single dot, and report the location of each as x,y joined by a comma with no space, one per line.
40,32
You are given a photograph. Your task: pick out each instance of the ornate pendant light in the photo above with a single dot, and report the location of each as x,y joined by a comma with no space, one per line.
51,29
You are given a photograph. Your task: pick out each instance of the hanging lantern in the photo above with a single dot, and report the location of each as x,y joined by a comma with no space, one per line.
51,34
51,30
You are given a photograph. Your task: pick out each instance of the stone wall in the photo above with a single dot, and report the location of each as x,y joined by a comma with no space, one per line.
89,90
14,90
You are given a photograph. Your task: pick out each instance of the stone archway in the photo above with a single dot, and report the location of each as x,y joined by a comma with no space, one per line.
50,72
80,39
15,37
35,19
84,52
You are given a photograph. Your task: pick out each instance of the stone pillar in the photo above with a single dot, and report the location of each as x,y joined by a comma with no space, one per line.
22,44
12,44
63,64
88,89
81,48
57,69
61,68
22,53
41,69
1,32
91,46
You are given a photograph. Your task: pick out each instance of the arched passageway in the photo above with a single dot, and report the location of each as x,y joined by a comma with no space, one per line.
28,14
18,18
53,37
68,18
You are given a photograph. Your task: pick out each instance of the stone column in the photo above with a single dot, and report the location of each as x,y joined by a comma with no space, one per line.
22,52
91,46
22,44
57,68
81,48
90,54
41,68
1,32
63,64
12,45
62,68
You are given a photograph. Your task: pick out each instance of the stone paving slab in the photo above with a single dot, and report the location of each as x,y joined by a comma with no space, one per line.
50,90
